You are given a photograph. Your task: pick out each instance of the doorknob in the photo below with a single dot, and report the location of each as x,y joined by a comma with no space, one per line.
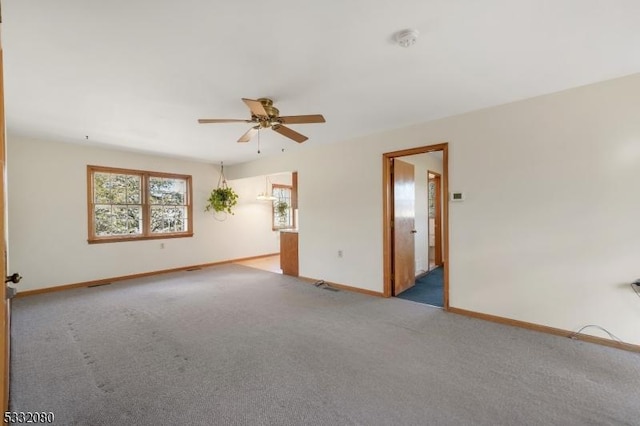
413,231
15,278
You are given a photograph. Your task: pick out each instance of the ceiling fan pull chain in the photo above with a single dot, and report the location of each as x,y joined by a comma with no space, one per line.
258,140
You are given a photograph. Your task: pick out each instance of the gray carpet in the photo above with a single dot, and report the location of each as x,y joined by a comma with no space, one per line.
232,345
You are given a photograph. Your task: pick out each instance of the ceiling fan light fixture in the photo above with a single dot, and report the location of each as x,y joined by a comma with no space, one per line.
407,38
266,195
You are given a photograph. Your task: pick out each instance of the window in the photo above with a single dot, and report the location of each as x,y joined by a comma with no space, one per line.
125,205
282,211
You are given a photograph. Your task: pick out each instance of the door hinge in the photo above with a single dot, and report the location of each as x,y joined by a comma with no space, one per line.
10,292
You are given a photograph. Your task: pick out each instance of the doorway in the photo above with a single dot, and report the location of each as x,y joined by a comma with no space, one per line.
400,232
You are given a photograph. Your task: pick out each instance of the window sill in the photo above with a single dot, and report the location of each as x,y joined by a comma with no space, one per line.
120,239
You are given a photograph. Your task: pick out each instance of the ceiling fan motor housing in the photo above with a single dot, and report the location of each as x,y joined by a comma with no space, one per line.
269,108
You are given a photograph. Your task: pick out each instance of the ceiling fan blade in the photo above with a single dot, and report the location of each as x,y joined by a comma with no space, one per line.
291,134
222,120
302,119
248,134
255,107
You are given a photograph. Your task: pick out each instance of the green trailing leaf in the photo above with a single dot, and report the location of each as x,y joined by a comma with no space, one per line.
282,208
222,200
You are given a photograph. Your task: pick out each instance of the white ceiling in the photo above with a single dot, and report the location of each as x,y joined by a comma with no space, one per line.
138,74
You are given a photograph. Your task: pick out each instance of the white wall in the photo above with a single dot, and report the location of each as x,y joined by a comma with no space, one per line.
422,163
48,217
549,231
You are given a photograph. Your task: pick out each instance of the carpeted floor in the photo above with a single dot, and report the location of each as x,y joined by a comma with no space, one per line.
429,289
232,345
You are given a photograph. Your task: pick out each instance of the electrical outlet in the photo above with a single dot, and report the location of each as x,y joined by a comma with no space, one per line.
340,253
161,245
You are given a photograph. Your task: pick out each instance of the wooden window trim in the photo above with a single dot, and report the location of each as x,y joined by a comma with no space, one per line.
291,206
146,206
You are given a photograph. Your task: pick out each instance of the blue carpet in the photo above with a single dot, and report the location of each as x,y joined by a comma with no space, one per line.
429,289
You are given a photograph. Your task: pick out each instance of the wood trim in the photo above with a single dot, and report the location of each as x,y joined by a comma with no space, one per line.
5,308
190,205
294,192
445,224
145,205
90,202
387,214
146,212
387,203
133,276
546,329
437,179
100,240
137,171
344,287
418,150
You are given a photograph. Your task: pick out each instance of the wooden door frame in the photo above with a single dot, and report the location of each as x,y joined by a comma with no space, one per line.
5,311
437,258
387,213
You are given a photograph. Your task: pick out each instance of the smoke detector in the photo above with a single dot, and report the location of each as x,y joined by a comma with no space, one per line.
407,38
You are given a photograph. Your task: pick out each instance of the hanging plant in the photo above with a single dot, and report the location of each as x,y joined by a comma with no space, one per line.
282,207
222,198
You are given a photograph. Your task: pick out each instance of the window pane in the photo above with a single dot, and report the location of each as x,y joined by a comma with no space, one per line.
117,220
167,191
167,219
112,188
135,219
282,216
102,187
102,220
133,190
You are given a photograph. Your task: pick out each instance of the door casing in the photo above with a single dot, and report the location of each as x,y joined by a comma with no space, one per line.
387,214
5,306
437,179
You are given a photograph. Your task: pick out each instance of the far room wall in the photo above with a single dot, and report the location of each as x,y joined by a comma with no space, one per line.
548,231
47,217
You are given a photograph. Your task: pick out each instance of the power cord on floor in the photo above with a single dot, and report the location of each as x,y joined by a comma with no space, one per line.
634,286
614,337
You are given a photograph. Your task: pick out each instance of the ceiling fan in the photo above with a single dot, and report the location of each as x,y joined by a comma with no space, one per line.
264,115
